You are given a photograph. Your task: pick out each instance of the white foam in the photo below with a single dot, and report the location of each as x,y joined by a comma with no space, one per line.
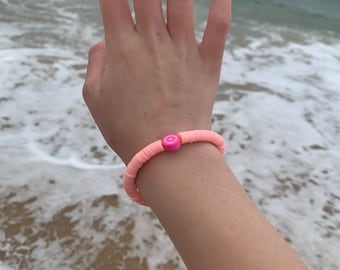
5,267
71,161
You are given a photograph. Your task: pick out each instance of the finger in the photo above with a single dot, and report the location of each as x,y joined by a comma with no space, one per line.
116,16
95,71
180,19
149,16
214,38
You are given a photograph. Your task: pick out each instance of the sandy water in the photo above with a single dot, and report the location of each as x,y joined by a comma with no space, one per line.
61,200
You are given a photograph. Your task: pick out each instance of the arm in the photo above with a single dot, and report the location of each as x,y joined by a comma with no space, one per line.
150,79
208,215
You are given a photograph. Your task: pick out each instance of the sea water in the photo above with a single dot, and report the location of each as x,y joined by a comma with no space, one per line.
62,205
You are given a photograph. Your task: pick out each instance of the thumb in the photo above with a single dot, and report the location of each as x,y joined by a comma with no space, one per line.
95,71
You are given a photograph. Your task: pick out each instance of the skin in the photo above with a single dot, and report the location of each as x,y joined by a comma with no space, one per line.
150,79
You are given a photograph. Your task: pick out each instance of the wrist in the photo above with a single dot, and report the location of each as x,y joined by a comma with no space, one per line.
132,143
170,143
176,172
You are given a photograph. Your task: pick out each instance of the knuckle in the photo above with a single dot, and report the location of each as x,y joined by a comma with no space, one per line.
222,23
96,48
85,93
185,3
88,92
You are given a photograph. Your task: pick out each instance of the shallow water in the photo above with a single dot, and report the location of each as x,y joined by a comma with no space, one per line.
61,200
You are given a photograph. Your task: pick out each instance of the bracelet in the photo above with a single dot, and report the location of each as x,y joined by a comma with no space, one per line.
170,143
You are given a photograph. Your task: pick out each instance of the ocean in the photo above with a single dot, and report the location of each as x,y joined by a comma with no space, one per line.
62,205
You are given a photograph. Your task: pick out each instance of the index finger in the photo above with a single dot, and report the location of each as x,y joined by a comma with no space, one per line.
117,16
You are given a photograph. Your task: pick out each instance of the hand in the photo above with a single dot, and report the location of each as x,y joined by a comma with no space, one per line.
149,79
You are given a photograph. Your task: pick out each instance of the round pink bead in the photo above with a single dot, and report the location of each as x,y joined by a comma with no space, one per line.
171,143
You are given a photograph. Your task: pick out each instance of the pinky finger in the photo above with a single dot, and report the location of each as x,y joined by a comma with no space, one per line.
213,43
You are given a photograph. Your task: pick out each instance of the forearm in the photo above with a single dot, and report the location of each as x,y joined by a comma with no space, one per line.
208,215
